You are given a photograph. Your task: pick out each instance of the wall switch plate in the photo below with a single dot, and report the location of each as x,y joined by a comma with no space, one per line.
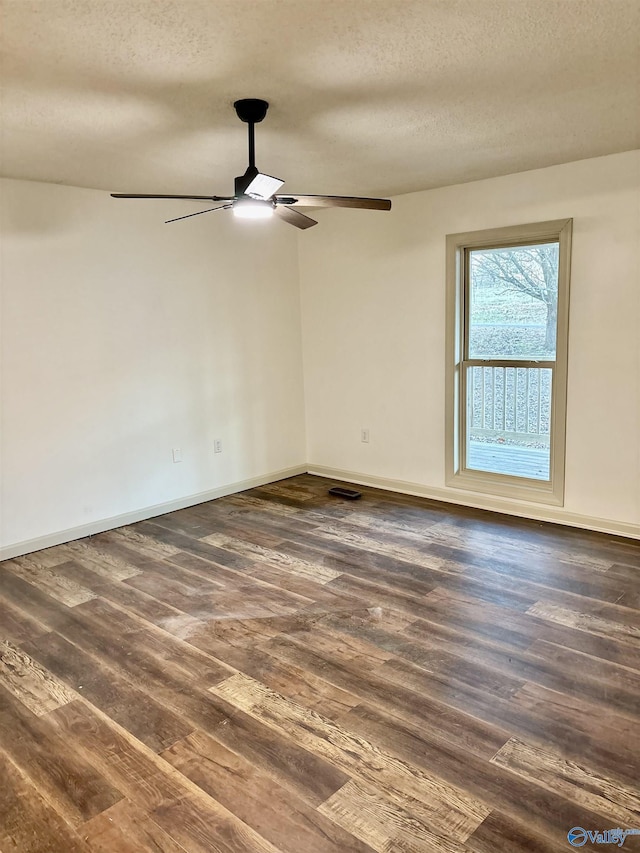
364,435
217,446
177,454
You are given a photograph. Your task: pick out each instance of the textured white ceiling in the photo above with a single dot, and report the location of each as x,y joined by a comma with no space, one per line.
367,97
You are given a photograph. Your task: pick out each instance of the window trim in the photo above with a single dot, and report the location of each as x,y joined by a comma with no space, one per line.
505,485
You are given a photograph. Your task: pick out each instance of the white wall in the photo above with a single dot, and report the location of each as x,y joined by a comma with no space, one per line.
123,338
373,299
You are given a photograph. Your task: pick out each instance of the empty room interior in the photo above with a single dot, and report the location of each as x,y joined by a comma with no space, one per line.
320,433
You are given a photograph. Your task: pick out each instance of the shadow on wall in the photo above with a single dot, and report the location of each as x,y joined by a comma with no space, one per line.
23,212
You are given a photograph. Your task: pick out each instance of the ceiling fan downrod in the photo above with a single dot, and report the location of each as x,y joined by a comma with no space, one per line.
251,111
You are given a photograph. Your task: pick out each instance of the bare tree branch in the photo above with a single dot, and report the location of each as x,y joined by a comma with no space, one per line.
531,270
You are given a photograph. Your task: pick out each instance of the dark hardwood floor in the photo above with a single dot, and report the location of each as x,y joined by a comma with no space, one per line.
285,672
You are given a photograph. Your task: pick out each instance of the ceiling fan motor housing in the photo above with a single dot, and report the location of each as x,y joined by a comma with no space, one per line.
241,182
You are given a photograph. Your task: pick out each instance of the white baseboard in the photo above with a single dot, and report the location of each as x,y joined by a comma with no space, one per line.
58,538
555,515
517,508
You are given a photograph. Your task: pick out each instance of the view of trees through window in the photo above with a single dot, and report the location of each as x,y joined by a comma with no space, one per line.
512,317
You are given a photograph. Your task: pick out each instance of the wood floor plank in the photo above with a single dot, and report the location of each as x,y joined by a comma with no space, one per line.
342,645
527,553
317,594
385,530
41,607
202,828
186,598
275,812
124,828
258,530
124,596
32,570
344,558
625,571
304,568
471,732
282,670
290,488
198,547
563,576
47,558
52,765
134,709
193,521
626,631
519,799
217,634
429,797
441,663
580,728
140,543
123,762
260,521
203,591
16,626
292,681
436,645
37,688
161,664
185,813
379,594
28,824
494,623
284,759
499,831
284,589
390,547
579,783
451,618
384,825
612,674
606,648
554,728
247,502
402,575
104,561
190,582
543,670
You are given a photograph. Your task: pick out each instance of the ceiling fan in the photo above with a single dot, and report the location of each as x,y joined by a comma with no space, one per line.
255,193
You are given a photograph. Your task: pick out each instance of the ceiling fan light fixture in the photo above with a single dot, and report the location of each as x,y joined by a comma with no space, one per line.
263,186
253,208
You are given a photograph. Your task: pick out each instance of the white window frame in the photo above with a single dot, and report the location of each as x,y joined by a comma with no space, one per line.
457,474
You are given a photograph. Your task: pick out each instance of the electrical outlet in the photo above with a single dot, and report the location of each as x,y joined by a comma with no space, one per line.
177,454
364,436
217,446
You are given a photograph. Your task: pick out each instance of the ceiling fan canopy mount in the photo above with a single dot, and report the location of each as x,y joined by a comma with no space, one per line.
255,193
251,110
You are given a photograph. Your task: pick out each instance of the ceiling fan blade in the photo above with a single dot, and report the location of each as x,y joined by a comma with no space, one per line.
191,197
335,201
197,213
294,217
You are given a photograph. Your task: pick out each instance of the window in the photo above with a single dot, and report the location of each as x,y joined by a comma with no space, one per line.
507,329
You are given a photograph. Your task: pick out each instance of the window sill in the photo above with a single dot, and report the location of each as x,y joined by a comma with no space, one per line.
502,485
